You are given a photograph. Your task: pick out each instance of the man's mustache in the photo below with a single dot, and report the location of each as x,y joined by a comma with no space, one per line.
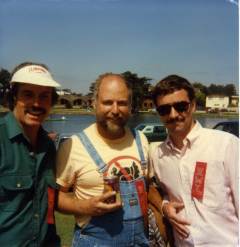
37,110
174,120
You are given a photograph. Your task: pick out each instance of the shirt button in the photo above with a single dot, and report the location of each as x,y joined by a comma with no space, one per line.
18,185
31,154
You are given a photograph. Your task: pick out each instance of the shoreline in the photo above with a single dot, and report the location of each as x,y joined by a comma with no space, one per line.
77,111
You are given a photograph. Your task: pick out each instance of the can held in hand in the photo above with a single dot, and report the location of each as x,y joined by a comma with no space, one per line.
112,184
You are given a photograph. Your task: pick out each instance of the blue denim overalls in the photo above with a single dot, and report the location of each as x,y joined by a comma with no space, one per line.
124,227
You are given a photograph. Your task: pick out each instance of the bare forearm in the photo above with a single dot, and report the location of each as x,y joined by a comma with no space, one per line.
67,203
94,206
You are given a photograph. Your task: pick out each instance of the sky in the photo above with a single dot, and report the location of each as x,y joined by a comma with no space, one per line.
81,39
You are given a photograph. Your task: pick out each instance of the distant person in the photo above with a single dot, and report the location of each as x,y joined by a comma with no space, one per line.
27,154
107,148
198,170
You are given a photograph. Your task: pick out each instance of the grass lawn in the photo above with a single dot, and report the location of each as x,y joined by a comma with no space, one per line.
65,225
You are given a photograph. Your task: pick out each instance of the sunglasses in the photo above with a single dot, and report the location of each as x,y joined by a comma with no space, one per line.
180,107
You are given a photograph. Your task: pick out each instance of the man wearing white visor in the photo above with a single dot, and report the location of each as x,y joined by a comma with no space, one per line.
27,158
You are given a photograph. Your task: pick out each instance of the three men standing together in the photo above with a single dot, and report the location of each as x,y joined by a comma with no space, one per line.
197,168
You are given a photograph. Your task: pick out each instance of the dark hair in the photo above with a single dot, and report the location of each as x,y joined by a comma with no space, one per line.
12,94
171,84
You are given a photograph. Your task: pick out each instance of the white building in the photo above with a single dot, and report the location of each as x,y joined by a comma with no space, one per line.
217,102
63,92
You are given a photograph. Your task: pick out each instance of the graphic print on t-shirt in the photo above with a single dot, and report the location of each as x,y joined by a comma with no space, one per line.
124,167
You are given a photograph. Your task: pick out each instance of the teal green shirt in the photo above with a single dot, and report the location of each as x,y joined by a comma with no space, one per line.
25,177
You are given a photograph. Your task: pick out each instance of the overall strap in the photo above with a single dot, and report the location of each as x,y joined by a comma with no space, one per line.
92,152
137,138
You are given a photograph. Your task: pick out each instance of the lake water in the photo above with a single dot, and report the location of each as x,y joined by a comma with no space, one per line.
75,123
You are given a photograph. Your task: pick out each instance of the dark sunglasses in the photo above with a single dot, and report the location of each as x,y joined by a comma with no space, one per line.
181,106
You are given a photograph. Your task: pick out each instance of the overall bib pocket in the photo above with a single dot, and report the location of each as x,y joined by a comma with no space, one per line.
133,199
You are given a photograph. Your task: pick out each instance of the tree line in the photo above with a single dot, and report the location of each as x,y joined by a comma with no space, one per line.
141,87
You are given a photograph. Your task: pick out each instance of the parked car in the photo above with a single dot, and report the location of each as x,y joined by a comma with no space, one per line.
228,126
153,131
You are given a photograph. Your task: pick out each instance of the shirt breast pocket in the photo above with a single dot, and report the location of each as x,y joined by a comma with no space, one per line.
215,189
16,192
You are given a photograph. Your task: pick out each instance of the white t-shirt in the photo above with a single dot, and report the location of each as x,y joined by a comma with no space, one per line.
75,167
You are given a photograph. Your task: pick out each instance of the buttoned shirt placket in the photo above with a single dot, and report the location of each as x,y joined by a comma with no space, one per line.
175,172
36,213
184,179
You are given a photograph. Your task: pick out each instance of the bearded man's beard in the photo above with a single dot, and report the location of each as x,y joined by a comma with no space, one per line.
115,128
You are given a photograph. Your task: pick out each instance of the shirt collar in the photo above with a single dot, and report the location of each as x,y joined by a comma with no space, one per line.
14,130
194,133
190,138
13,127
44,141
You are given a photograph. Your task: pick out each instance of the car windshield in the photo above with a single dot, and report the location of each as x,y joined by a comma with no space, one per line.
140,127
231,127
159,129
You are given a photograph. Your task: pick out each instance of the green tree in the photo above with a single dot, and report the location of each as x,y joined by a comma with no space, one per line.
201,87
140,88
91,89
227,90
215,89
230,90
200,92
4,78
200,99
4,85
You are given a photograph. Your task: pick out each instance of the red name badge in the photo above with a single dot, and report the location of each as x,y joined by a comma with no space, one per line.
142,196
50,212
198,180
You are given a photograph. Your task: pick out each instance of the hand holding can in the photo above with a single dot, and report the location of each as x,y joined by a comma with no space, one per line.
112,184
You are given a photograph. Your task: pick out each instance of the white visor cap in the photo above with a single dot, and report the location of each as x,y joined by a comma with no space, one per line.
34,74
